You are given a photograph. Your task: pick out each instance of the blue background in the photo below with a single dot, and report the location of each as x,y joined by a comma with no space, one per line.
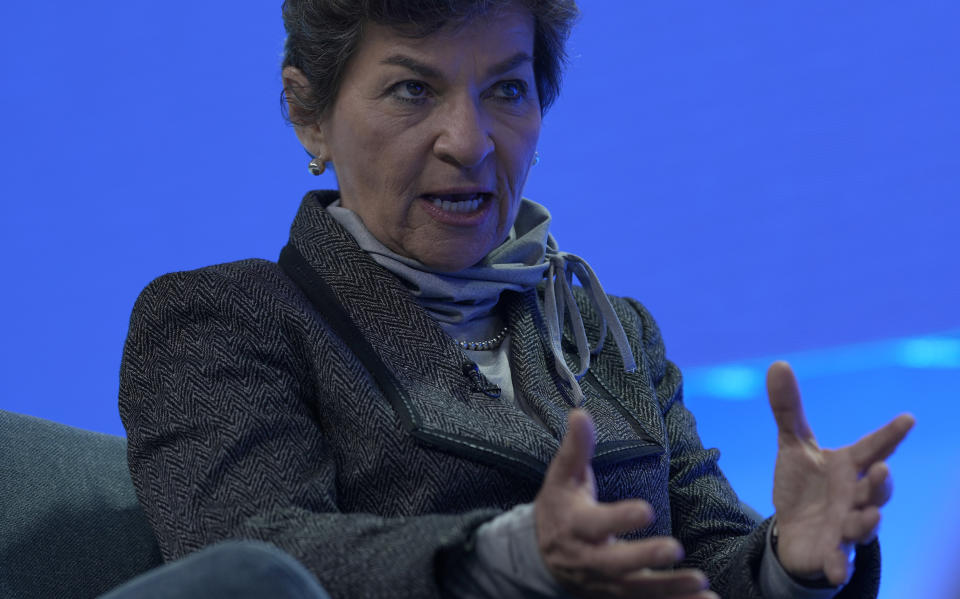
771,179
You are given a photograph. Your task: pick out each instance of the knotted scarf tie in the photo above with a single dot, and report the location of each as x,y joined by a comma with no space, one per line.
560,301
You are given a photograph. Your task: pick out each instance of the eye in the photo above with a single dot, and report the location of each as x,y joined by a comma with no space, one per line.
415,92
511,91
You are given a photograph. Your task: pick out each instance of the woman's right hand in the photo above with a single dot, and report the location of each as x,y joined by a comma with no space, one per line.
576,533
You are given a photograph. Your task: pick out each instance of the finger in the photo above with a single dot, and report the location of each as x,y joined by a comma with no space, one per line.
598,522
652,583
837,567
875,487
705,594
644,582
576,450
785,402
879,444
624,558
861,526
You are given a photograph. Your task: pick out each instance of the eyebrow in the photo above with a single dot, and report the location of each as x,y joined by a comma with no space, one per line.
429,72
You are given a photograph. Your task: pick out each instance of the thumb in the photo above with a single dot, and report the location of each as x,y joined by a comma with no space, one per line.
785,402
572,462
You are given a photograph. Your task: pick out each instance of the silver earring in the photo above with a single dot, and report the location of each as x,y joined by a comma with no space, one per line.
536,158
317,166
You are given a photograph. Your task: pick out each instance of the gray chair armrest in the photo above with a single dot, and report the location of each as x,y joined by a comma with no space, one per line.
70,523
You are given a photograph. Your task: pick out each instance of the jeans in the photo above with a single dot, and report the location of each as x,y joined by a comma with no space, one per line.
230,569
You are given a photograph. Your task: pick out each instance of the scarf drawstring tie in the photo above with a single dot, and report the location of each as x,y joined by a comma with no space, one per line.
559,303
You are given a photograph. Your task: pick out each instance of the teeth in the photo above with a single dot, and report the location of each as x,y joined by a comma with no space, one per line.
466,205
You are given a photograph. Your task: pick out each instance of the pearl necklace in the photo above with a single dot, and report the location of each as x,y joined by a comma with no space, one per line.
486,345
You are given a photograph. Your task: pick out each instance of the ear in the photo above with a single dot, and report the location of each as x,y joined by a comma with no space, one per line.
309,132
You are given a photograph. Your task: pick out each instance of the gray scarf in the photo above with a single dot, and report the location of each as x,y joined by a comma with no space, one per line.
520,263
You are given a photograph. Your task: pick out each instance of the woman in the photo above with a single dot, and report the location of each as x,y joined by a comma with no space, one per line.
415,401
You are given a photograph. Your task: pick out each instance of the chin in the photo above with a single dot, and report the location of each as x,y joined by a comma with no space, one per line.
452,261
448,265
453,256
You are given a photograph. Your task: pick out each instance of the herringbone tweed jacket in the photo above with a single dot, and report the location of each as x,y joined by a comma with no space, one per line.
318,407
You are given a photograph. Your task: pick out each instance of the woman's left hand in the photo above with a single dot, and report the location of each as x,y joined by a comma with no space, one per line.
827,501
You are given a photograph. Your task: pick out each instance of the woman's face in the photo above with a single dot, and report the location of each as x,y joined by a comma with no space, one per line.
432,138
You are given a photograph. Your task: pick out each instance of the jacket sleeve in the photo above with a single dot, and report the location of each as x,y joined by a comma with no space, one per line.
705,512
224,442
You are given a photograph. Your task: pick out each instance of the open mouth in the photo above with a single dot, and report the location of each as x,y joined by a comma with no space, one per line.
458,202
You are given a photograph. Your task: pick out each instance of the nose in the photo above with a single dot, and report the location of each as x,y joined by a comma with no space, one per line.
464,137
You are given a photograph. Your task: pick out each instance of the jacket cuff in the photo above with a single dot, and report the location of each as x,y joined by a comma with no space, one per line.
776,582
505,562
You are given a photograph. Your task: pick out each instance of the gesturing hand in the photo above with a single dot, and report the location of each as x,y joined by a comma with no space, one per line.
576,534
826,501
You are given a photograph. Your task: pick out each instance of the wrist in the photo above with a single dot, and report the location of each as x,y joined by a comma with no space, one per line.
817,580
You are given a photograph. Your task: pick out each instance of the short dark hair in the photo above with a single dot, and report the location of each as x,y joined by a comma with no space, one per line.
322,36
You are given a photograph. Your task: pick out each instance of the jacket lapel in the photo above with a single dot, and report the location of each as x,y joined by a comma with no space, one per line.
624,411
